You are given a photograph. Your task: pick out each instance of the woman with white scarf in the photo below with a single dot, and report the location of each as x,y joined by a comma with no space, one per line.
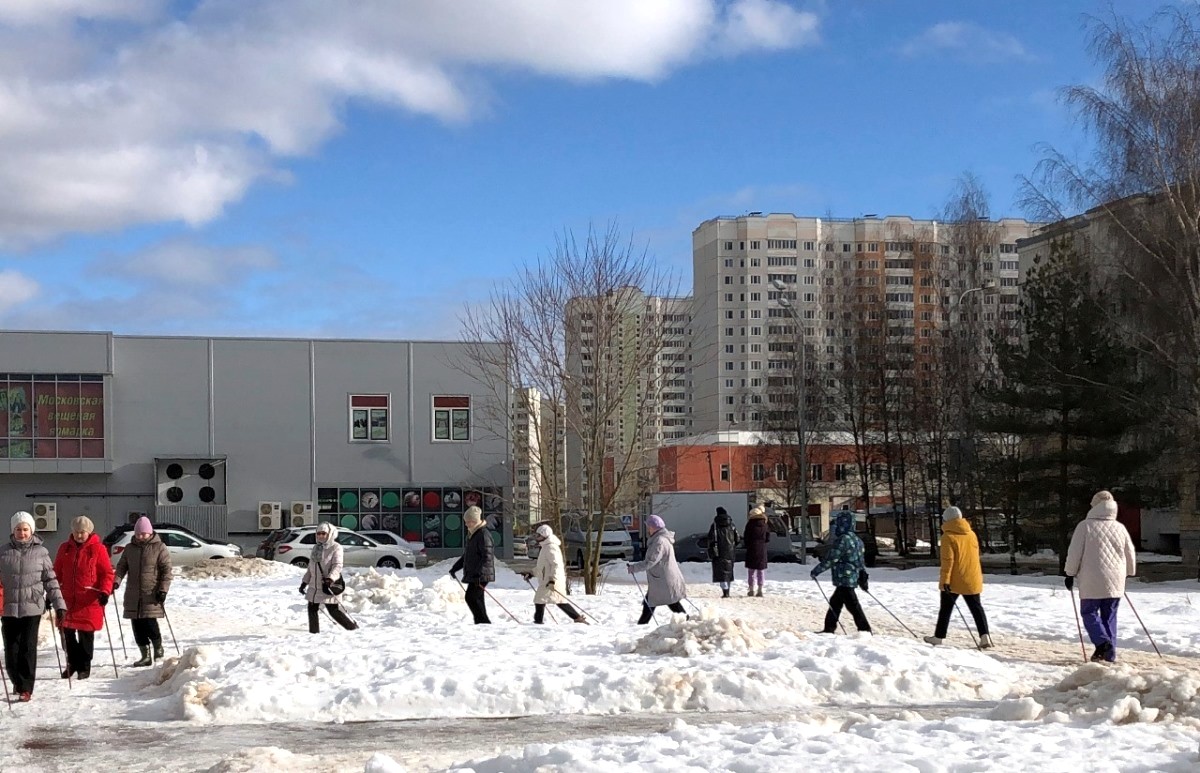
324,566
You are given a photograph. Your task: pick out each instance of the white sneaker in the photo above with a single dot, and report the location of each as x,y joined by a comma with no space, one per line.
985,642
933,640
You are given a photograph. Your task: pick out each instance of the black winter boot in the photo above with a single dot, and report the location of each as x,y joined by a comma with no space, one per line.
725,593
144,660
158,649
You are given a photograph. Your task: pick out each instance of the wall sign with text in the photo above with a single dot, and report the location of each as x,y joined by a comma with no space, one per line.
51,416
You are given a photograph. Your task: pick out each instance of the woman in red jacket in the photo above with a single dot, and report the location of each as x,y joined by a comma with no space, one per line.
86,577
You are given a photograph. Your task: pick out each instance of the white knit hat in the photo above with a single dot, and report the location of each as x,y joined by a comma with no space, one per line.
951,513
1102,496
20,517
544,531
473,515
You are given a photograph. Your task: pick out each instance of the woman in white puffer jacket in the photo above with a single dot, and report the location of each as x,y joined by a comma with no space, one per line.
1101,556
551,576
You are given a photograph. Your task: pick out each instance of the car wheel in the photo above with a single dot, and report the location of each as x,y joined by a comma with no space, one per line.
215,558
387,562
300,562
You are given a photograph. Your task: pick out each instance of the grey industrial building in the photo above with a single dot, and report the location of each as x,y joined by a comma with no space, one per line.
235,436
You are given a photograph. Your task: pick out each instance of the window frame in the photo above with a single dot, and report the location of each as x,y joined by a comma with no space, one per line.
450,411
369,412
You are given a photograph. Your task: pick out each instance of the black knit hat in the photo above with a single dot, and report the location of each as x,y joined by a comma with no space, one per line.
721,511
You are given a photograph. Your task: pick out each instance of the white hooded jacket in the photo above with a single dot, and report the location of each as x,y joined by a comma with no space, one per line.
550,569
1101,555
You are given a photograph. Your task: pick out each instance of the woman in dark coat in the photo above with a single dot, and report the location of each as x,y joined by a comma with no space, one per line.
147,562
722,542
478,564
758,534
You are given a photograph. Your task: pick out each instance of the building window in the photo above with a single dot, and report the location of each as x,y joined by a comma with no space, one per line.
452,417
781,472
816,472
759,472
841,472
725,467
370,418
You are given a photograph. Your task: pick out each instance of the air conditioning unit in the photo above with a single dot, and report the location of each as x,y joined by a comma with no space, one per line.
45,516
270,515
302,514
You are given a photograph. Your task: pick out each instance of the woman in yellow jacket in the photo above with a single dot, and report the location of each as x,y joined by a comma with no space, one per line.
961,576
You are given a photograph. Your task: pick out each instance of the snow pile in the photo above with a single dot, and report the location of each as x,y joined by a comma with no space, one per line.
387,591
233,568
1019,710
690,638
381,763
261,759
1123,695
180,689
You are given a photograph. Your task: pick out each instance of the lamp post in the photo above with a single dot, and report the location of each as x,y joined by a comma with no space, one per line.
987,288
801,395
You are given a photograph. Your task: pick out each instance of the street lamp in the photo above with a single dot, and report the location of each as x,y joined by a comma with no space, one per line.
801,395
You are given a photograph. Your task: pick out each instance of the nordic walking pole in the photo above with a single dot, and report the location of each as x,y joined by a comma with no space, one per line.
574,604
840,625
57,657
963,617
510,614
7,697
890,612
172,630
1144,628
552,617
1078,626
120,630
645,600
111,649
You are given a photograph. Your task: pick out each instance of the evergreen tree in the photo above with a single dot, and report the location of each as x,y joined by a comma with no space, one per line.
1069,394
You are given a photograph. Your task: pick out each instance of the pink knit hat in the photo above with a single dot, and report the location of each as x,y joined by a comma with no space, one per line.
143,526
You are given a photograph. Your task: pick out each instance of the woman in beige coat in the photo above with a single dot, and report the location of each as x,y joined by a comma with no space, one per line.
551,576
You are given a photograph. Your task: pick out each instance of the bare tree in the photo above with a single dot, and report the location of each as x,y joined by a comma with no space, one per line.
1140,191
585,359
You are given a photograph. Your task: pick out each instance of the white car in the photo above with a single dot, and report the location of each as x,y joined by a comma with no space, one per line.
296,549
392,538
185,549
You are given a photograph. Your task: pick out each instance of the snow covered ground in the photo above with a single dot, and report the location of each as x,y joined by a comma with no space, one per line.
744,686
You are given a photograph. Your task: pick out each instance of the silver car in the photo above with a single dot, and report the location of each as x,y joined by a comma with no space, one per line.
392,538
296,549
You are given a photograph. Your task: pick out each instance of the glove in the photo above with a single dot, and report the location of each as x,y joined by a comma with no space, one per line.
303,588
325,588
452,574
862,581
60,615
161,596
629,567
1069,581
526,576
550,584
116,587
815,571
946,588
103,599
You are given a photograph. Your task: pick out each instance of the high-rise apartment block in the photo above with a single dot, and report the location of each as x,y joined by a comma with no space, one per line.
827,270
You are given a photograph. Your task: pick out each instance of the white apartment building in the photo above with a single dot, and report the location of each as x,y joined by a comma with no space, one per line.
643,340
924,270
539,455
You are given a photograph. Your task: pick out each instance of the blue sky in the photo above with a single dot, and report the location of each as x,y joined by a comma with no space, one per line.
283,167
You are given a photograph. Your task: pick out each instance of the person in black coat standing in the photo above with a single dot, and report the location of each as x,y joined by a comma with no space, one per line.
478,564
723,540
758,534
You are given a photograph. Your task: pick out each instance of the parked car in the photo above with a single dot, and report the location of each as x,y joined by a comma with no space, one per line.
780,549
266,548
615,544
115,535
870,544
392,538
185,548
296,547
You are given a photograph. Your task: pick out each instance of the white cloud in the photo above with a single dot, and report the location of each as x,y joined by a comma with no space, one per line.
967,42
15,289
189,264
155,119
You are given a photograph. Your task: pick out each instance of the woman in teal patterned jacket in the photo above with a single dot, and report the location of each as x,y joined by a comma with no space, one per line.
845,557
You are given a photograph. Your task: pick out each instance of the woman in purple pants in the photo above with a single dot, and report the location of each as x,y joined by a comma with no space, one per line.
1101,556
